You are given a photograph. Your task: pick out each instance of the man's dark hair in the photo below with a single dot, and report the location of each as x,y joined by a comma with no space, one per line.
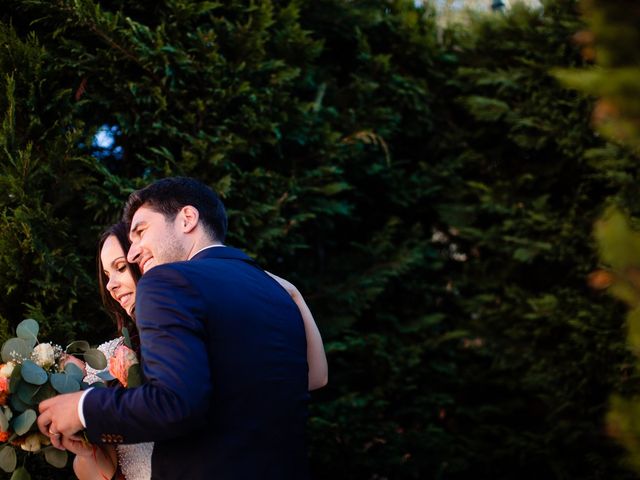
169,195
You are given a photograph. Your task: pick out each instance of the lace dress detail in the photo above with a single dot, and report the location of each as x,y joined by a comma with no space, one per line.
134,459
108,348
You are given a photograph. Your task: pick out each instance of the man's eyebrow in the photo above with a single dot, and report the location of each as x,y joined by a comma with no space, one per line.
134,228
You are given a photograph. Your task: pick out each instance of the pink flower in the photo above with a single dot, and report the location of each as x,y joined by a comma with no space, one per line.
119,363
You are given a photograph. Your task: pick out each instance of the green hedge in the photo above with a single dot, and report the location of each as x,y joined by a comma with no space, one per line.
430,191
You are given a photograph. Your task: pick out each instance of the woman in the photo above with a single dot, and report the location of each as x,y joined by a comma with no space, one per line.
117,279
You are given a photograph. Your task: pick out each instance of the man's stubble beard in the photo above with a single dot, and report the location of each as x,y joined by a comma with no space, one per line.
170,250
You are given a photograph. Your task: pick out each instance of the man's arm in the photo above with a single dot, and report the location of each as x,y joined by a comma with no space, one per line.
176,394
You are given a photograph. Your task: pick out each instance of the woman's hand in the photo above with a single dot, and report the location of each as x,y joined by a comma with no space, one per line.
92,461
76,361
79,446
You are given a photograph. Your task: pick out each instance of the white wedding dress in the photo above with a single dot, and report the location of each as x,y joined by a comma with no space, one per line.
134,459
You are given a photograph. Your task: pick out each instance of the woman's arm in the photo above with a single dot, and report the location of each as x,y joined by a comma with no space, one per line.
316,358
92,462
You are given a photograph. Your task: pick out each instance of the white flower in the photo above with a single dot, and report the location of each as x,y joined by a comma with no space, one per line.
43,355
31,443
7,369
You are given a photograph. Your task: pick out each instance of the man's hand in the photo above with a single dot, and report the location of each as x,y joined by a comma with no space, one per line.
59,417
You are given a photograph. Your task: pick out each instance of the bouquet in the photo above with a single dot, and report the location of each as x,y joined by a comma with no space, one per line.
123,365
32,372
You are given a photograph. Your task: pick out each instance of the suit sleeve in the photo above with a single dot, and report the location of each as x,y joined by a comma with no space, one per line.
176,395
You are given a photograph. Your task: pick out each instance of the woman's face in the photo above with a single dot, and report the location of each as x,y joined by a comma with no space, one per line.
121,285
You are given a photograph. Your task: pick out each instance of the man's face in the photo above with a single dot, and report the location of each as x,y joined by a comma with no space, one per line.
154,240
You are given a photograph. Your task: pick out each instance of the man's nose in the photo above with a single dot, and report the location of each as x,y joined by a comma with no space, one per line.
134,253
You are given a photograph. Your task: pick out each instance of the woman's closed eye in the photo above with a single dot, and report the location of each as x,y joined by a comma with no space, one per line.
121,266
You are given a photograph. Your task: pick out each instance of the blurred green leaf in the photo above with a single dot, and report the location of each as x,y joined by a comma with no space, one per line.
28,330
8,458
64,383
78,346
20,473
14,349
23,422
95,359
55,457
33,373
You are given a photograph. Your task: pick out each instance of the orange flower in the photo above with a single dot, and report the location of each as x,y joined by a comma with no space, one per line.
119,363
4,436
604,111
600,279
4,390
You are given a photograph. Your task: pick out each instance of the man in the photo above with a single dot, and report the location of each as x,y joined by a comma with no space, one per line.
223,349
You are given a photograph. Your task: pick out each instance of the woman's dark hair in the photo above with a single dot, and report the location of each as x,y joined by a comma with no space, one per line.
121,232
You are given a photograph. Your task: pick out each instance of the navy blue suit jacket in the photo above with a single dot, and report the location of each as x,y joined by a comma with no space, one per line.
224,355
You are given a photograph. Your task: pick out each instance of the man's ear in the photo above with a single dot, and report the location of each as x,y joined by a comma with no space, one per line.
188,218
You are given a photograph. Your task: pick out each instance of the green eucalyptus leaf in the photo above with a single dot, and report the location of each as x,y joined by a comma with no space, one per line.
4,422
79,346
15,379
105,375
127,337
8,459
17,405
55,457
7,412
74,371
64,383
23,422
134,376
21,474
15,349
28,329
33,373
96,359
45,392
26,392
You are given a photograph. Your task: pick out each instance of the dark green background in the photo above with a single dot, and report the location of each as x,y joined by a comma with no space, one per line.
430,190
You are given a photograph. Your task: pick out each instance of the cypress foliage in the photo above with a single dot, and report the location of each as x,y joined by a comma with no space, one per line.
527,188
300,123
43,241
